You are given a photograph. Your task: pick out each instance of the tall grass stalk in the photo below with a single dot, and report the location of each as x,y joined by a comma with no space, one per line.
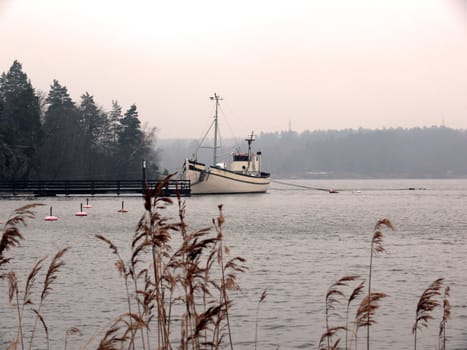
14,294
224,297
333,296
261,300
14,291
11,235
376,248
193,279
50,277
123,271
446,317
353,296
426,304
366,312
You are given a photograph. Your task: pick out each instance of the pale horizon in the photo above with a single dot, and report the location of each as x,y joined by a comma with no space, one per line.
304,65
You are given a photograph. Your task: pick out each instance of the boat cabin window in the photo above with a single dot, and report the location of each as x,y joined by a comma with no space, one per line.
240,157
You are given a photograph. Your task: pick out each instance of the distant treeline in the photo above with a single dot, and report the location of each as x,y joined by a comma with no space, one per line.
51,137
429,152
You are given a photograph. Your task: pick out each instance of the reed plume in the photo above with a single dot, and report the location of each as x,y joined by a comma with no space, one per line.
159,234
328,335
122,270
261,300
376,248
353,296
426,304
11,236
446,317
12,287
28,294
121,330
153,234
186,278
228,270
333,296
44,325
31,280
13,294
50,277
111,340
205,319
366,311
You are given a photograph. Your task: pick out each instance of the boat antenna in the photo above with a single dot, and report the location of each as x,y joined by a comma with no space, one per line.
250,139
217,98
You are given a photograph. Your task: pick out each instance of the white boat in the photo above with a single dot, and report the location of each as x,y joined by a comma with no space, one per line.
242,175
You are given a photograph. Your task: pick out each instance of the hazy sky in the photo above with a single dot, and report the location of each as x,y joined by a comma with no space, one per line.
328,64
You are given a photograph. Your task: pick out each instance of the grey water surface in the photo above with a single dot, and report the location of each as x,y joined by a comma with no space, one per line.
297,242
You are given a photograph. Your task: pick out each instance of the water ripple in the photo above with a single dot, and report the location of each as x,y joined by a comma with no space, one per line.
297,243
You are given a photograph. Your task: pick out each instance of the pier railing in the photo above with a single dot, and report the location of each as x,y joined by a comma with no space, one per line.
90,187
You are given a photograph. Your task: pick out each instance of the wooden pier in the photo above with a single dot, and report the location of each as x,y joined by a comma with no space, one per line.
91,187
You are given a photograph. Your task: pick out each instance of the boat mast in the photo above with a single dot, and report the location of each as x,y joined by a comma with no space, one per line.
250,139
217,98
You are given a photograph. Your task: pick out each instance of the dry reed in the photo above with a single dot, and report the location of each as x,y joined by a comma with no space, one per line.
376,248
426,304
260,301
333,296
446,317
366,311
365,314
328,335
50,277
353,296
11,236
193,279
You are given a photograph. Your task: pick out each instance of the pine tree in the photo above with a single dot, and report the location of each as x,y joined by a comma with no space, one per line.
130,145
110,130
115,117
20,126
92,120
150,153
64,149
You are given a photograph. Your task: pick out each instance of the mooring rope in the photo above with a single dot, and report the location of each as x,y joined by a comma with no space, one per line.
300,186
334,190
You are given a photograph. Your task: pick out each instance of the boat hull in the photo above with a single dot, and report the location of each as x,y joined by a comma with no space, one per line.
219,181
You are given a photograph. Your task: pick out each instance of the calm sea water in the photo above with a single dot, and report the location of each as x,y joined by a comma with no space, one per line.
297,242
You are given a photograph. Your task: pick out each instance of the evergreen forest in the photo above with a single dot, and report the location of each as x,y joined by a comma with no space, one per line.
51,137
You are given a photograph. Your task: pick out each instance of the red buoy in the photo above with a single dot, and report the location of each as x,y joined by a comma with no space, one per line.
81,212
123,210
50,217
